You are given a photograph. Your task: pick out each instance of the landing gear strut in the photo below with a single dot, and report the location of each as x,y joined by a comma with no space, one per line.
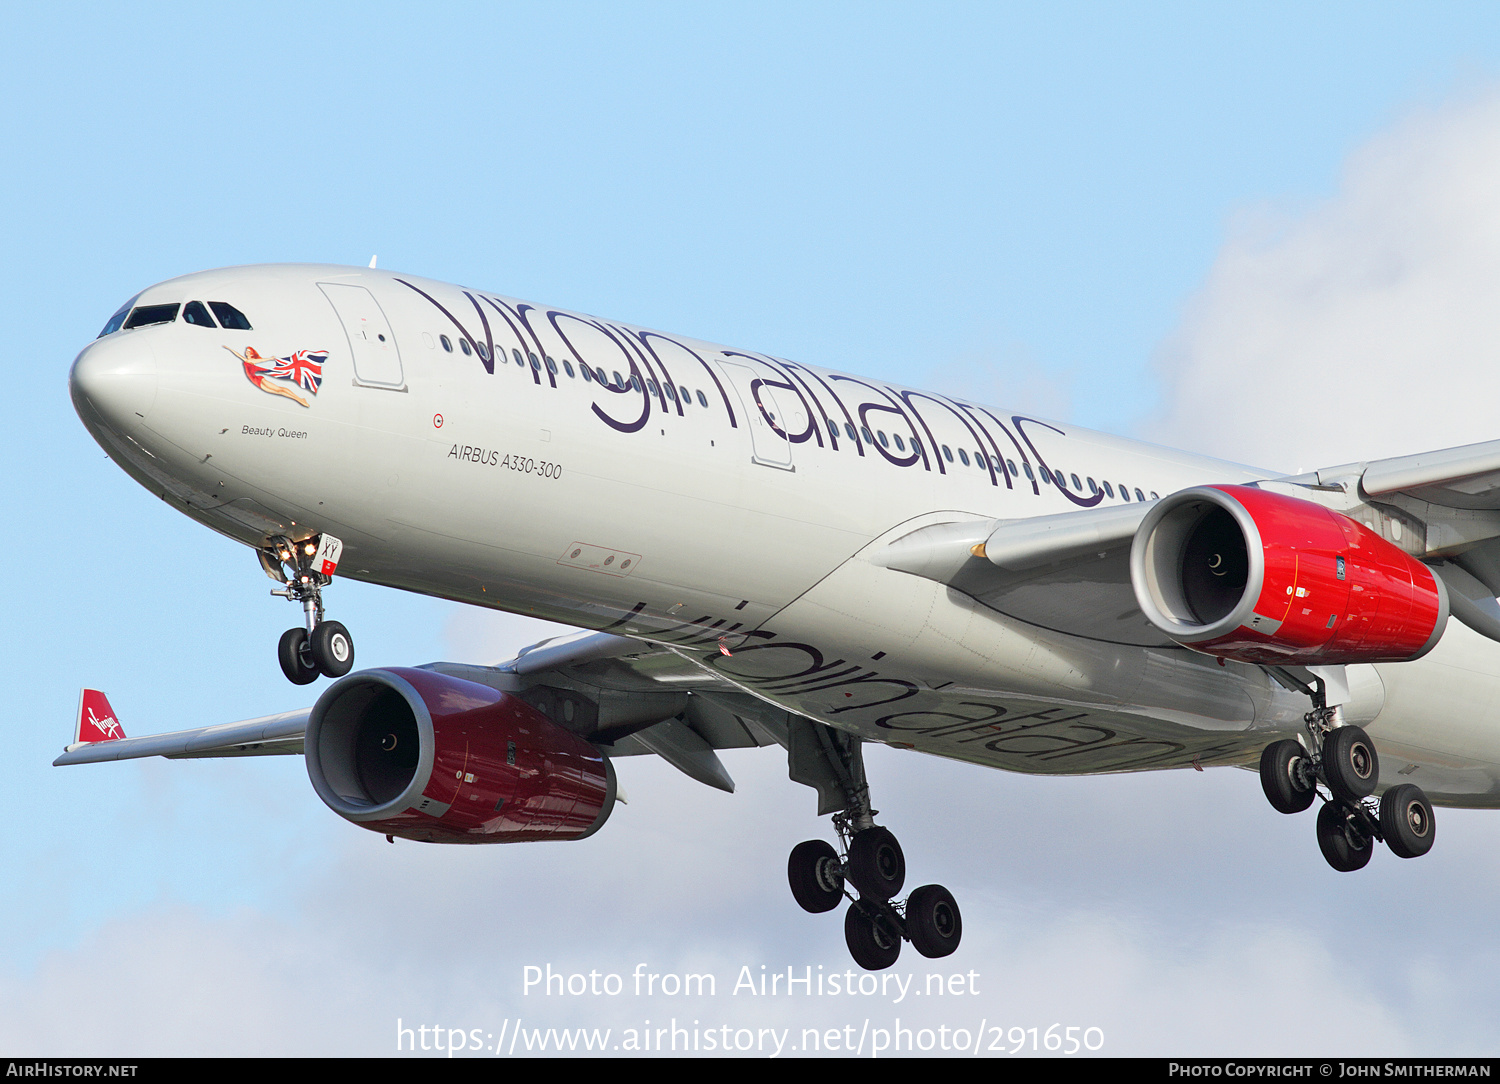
319,647
1342,758
871,860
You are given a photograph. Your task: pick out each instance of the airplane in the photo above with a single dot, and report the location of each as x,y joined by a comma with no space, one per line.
765,553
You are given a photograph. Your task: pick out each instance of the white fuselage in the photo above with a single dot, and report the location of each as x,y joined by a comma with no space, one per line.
731,518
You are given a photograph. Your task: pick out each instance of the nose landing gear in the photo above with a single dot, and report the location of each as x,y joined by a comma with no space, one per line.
872,862
1342,758
319,647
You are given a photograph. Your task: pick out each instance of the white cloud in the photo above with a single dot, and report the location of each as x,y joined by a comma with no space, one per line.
472,634
1174,911
1366,325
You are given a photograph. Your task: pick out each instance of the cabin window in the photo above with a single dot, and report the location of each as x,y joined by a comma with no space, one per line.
1154,497
635,381
1108,490
1138,495
463,344
147,315
685,396
1092,487
446,342
568,367
1011,463
1027,467
963,456
1124,493
864,431
899,443
196,314
833,429
588,374
948,453
702,399
849,431
516,357
552,366
880,433
671,391
619,380
651,385
483,351
229,316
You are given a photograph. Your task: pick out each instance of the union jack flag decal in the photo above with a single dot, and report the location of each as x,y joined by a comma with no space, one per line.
304,369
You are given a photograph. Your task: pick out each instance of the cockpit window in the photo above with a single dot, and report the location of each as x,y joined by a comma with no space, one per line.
117,321
195,313
229,316
152,314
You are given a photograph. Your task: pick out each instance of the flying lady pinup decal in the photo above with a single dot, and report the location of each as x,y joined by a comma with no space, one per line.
304,369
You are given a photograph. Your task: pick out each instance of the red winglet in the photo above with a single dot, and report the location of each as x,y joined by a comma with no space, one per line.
96,720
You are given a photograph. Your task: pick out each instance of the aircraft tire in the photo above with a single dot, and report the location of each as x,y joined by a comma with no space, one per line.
296,661
1333,840
1406,821
1350,764
332,649
876,865
873,946
933,922
816,876
1281,767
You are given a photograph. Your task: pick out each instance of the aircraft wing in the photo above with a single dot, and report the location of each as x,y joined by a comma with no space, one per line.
1071,572
625,697
1067,572
630,698
266,736
1466,477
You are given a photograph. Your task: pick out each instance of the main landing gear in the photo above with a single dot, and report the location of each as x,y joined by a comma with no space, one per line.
319,647
1342,758
871,860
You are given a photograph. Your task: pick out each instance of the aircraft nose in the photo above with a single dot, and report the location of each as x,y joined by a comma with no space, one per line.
114,380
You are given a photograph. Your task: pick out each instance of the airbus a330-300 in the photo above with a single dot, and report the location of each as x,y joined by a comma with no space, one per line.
765,553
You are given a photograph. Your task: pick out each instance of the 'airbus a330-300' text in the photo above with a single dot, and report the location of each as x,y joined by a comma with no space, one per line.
767,553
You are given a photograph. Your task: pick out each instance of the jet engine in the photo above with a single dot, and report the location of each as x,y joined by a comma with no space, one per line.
1246,574
429,757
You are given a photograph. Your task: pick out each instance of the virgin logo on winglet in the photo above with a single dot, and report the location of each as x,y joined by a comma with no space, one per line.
96,720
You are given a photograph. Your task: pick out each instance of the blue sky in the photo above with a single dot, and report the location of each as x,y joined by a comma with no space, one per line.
1080,206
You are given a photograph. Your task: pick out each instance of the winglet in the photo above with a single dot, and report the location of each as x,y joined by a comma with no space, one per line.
96,720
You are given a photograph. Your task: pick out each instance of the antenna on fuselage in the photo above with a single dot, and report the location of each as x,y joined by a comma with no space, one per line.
372,263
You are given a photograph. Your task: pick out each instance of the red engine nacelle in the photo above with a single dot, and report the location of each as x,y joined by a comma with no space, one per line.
1246,574
434,758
